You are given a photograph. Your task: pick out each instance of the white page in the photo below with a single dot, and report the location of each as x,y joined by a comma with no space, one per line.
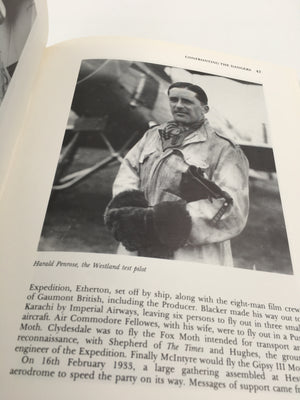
26,198
237,28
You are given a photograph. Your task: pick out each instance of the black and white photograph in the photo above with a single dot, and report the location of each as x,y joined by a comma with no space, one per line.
164,162
16,20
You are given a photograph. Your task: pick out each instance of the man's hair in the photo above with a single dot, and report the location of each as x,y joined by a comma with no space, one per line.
200,94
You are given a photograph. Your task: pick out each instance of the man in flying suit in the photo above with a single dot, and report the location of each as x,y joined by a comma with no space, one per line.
182,191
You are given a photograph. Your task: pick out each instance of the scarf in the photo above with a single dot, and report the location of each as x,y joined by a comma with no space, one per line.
174,134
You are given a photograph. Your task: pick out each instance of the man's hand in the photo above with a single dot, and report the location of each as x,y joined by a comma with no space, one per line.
132,226
154,231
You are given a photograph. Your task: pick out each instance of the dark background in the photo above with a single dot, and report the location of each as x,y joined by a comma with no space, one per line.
74,220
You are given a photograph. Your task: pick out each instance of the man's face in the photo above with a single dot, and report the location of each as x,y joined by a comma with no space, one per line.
185,106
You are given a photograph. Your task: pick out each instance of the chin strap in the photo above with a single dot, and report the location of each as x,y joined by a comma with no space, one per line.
227,203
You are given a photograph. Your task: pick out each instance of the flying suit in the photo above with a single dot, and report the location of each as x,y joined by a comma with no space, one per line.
157,172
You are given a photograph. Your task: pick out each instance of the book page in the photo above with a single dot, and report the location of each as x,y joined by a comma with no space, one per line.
83,319
23,32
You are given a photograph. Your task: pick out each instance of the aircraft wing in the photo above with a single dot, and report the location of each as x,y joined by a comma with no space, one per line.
261,157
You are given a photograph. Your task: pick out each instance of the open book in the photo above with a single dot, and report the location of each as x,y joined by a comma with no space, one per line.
149,219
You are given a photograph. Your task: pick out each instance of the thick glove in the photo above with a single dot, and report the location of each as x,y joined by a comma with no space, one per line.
152,231
172,223
127,205
194,186
128,198
132,226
